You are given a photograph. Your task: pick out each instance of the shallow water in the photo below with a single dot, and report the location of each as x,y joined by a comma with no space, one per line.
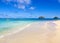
40,31
7,25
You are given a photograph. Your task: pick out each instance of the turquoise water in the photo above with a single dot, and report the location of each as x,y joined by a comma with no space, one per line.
9,24
6,25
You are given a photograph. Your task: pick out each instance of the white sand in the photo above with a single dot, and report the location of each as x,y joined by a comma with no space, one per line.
38,32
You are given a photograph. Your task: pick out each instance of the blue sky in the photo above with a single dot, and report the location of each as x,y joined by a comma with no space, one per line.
29,8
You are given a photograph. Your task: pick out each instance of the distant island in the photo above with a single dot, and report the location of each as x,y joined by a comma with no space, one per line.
56,17
42,17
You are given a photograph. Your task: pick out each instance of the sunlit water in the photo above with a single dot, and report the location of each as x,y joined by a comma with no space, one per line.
7,25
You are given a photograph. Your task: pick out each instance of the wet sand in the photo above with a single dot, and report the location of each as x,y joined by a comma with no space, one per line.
38,32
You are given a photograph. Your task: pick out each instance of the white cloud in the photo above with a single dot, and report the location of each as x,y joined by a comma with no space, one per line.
21,7
22,4
27,1
32,8
19,1
24,1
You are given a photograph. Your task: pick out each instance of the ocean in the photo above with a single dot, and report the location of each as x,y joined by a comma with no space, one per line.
9,24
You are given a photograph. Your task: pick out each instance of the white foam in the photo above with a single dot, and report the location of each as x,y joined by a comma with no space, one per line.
22,28
16,31
1,36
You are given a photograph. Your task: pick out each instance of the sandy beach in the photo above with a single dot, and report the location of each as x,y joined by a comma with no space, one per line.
37,32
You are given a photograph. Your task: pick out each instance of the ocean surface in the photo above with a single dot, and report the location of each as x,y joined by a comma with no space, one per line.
8,24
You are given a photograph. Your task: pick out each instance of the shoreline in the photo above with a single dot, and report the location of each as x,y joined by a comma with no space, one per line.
38,32
16,31
20,29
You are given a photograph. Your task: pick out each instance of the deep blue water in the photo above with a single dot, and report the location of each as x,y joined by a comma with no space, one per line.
26,19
